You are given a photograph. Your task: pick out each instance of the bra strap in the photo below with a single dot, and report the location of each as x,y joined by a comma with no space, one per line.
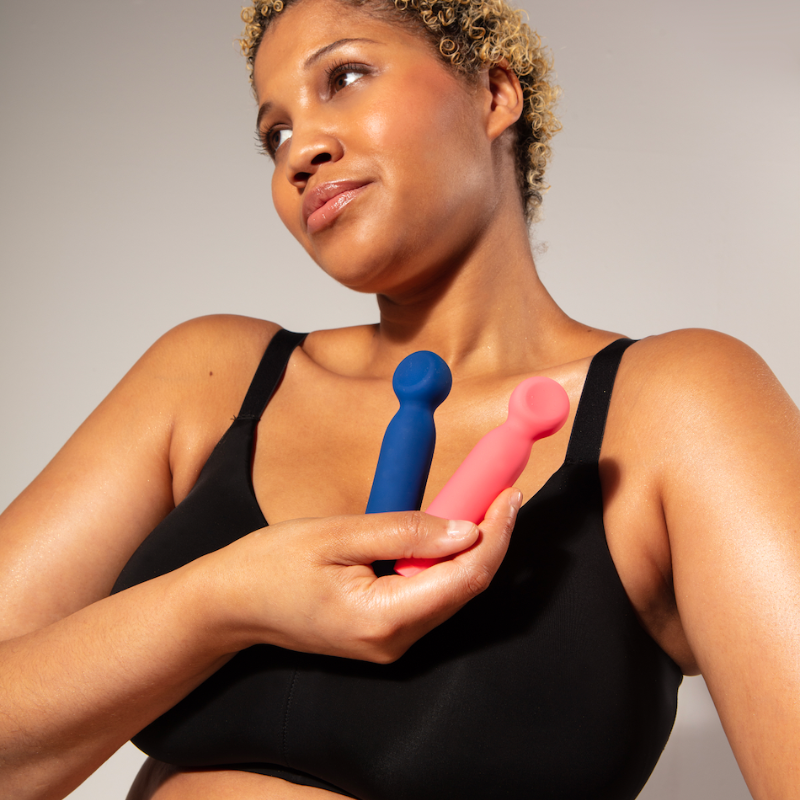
269,373
590,419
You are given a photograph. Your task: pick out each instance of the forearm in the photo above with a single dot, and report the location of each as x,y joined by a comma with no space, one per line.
72,693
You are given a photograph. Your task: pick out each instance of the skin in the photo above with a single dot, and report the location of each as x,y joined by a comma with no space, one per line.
698,464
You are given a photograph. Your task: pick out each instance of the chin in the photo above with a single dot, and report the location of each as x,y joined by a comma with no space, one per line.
376,254
355,257
369,278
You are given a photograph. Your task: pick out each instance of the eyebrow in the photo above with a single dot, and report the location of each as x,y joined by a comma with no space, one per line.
310,61
318,54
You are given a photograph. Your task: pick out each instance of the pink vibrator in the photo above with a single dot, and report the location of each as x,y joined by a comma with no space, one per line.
538,407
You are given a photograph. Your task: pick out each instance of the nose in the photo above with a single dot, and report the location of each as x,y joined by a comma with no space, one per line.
307,152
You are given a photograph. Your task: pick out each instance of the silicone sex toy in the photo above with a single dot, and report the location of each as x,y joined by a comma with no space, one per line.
421,382
538,407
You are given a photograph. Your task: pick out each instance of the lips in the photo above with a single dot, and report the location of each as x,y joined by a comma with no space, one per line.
323,204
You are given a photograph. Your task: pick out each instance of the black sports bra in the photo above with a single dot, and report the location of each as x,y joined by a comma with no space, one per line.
545,685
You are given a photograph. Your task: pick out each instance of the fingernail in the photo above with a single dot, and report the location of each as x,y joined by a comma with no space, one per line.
460,528
515,501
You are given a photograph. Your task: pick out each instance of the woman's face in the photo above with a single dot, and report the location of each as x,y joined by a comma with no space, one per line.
383,165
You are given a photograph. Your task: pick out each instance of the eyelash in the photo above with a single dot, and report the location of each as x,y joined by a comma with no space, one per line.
333,72
342,68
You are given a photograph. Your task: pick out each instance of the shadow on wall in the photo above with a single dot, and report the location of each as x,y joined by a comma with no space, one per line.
697,763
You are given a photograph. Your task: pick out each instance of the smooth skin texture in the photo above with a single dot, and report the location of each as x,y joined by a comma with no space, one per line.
699,461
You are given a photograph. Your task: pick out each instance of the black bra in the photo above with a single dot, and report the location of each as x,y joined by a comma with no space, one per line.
546,685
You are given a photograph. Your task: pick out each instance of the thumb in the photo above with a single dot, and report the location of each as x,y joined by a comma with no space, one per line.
430,596
496,531
402,534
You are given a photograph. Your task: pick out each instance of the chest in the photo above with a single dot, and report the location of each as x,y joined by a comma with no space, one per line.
316,452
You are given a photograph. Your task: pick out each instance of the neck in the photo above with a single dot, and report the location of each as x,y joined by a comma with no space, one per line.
490,315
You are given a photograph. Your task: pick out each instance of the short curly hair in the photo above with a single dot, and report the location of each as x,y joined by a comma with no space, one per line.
469,35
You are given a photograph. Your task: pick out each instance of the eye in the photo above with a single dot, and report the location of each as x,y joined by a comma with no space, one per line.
270,140
340,76
278,137
345,79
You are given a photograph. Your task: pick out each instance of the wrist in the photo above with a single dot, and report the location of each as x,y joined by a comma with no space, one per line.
214,601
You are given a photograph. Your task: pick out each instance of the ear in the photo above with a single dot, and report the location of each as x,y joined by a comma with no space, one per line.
505,99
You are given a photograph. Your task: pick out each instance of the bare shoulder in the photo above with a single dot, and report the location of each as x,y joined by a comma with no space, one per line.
196,369
698,354
199,364
189,351
689,378
694,404
195,373
204,367
713,411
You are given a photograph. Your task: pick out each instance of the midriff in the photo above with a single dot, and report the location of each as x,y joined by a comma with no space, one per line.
158,781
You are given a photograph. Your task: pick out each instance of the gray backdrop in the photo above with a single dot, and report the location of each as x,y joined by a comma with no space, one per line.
133,199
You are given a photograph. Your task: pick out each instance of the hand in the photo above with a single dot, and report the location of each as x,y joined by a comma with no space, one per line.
308,585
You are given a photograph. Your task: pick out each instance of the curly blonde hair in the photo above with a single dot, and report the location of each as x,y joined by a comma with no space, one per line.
469,35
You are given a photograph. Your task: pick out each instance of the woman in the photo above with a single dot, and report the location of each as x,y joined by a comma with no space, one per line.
444,247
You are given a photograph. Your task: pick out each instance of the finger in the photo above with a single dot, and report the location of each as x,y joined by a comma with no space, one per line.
499,521
480,563
501,518
386,537
448,585
496,530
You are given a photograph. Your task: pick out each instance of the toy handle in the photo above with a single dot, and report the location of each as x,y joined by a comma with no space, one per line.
421,382
538,407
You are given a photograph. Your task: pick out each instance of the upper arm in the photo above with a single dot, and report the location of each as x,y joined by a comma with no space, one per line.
729,464
65,539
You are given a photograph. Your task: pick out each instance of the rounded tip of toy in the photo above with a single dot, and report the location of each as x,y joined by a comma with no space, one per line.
540,404
423,376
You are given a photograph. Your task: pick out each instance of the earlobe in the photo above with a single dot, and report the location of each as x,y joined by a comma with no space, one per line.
507,99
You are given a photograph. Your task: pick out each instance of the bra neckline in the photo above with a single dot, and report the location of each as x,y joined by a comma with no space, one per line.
597,374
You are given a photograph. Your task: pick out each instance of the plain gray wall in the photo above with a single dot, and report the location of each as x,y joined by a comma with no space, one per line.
133,198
